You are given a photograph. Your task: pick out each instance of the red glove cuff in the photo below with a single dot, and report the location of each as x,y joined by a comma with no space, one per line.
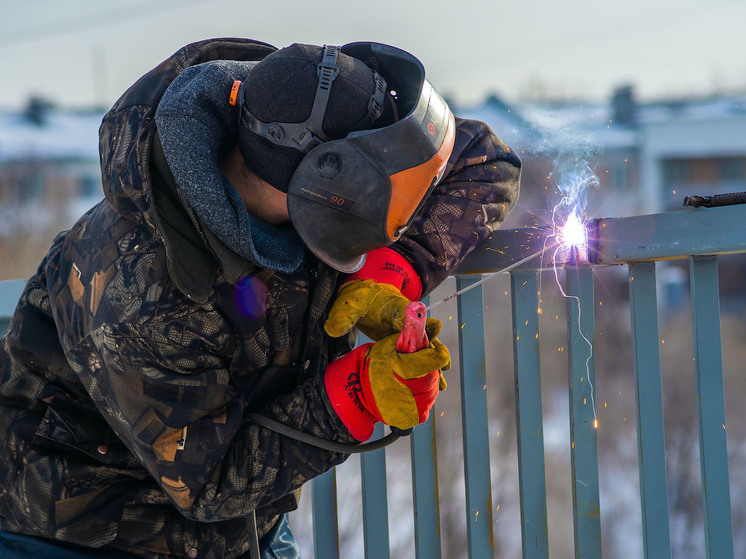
343,386
385,265
424,390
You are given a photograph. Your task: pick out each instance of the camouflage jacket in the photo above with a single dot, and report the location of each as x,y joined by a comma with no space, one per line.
128,370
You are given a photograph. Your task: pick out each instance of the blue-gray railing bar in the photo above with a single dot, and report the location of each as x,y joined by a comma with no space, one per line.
670,235
374,494
10,291
375,506
324,515
4,325
425,501
713,449
475,421
529,422
620,240
583,419
425,491
651,444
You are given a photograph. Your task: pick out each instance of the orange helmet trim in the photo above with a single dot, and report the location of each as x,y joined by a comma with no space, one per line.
410,186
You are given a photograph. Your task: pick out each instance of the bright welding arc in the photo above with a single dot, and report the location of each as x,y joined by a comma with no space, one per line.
573,232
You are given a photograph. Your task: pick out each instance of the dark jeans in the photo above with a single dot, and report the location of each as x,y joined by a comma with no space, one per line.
279,543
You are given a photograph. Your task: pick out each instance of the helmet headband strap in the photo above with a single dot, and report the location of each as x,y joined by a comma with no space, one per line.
304,136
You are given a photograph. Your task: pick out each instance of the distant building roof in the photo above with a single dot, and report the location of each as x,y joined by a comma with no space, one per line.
58,135
45,132
542,127
700,109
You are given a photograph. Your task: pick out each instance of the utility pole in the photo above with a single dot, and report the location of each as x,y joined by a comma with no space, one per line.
100,76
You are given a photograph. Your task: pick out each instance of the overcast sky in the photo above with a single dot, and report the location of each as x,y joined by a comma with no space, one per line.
77,52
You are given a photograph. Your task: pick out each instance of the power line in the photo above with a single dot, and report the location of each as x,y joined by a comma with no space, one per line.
90,21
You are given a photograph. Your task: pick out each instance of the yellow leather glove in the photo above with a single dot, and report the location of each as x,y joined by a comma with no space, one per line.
376,383
376,309
403,386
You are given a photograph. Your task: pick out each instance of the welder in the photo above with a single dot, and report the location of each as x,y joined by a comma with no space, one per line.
262,205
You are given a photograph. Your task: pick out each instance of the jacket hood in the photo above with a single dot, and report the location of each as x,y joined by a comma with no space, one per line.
197,127
127,131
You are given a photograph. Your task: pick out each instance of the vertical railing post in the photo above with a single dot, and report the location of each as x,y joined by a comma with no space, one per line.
474,420
425,491
583,421
375,505
425,488
651,444
325,525
530,431
713,448
374,494
10,291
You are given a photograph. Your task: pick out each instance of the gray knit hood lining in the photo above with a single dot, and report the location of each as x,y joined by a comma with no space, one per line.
197,126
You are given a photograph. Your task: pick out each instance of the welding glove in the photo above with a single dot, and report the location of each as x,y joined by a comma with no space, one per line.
375,383
374,298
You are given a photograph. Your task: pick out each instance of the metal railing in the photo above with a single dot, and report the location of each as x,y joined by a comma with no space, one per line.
10,291
638,242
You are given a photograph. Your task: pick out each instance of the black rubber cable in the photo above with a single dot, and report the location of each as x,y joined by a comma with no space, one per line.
254,552
323,443
315,441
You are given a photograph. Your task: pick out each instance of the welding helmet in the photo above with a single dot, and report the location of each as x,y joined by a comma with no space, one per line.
351,195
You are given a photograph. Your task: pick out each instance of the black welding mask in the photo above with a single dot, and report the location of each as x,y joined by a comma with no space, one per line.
351,195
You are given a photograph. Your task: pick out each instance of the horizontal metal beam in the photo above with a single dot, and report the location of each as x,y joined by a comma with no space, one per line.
662,236
10,291
671,235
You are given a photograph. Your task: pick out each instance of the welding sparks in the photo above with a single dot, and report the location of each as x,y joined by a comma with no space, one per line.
568,243
573,242
573,175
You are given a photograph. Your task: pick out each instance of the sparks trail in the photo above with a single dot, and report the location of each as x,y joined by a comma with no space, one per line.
568,243
590,348
572,241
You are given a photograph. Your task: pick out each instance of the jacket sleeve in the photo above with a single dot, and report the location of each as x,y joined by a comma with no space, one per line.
181,412
479,189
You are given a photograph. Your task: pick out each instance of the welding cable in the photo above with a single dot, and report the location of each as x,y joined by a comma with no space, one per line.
314,441
716,200
323,443
254,551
